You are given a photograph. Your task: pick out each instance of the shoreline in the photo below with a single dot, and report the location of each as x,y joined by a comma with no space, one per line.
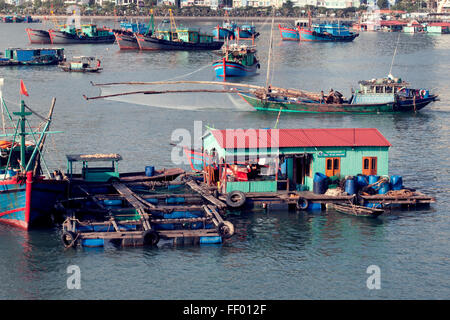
199,18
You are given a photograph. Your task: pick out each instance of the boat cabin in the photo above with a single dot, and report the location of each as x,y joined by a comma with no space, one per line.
378,90
83,62
95,173
240,53
268,160
31,54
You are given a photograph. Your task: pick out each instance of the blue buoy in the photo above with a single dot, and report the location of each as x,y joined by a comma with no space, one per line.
149,171
93,242
314,206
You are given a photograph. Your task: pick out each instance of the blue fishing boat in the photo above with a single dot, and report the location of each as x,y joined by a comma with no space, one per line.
326,32
238,61
246,32
32,56
27,198
289,33
226,31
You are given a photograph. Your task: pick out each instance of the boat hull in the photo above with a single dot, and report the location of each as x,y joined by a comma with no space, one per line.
25,204
308,107
234,69
61,37
154,44
288,34
309,35
126,41
223,33
38,36
245,34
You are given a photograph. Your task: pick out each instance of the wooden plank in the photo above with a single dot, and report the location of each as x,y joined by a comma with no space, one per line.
194,186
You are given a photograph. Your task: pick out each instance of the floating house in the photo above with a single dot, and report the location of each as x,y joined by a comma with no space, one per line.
268,160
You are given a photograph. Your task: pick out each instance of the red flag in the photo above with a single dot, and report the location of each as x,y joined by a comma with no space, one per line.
23,89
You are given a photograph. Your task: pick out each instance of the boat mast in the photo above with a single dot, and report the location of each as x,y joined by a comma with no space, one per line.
270,49
22,121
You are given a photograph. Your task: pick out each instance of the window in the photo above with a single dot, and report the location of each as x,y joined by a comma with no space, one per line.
369,166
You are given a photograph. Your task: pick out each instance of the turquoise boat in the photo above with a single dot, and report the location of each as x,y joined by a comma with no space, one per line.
32,56
374,96
238,61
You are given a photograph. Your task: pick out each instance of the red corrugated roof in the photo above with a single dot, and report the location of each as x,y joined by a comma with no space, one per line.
285,138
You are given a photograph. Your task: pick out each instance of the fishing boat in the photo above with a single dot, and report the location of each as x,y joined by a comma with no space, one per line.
89,33
289,33
226,30
27,197
246,32
331,32
32,56
126,37
81,64
38,36
374,96
238,61
355,210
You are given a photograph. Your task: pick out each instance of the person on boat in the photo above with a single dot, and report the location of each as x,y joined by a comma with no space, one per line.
322,97
98,63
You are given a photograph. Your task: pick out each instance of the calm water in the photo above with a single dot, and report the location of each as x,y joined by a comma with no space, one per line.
274,255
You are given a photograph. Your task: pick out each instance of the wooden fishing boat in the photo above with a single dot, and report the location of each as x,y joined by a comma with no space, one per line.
326,32
238,61
186,39
82,64
356,210
126,38
374,96
289,33
246,32
88,34
38,36
226,30
27,197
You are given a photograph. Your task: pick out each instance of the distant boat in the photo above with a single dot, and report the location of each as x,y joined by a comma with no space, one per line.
289,33
356,210
126,37
238,61
87,34
332,32
38,36
32,56
81,64
246,32
177,38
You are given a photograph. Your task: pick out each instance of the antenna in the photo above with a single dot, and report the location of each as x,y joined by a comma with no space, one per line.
393,57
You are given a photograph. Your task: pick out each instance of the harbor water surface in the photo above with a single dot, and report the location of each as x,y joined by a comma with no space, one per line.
274,254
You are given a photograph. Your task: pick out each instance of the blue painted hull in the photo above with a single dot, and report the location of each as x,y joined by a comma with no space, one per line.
288,34
309,35
234,69
31,203
223,33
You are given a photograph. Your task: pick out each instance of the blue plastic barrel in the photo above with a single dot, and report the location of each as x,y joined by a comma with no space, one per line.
320,183
93,242
373,179
149,171
396,182
208,240
362,180
384,188
152,200
350,186
314,206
